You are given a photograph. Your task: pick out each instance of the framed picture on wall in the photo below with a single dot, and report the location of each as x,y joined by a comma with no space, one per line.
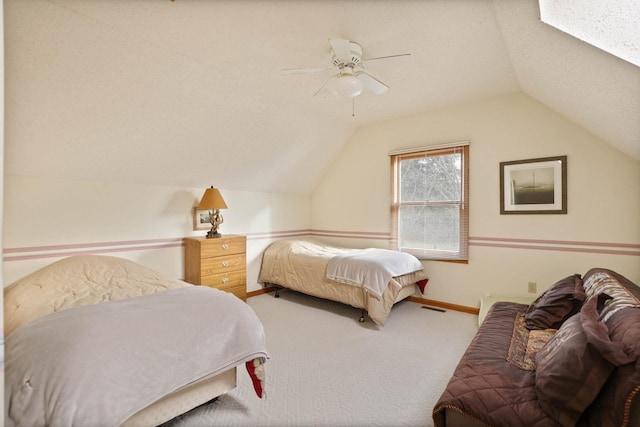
201,219
534,186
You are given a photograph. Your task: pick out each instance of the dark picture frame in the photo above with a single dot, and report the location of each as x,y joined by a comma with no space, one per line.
534,186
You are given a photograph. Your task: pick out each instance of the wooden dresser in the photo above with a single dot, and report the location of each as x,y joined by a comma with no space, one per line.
217,262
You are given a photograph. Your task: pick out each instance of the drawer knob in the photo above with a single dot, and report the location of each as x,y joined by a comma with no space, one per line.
225,280
225,246
225,263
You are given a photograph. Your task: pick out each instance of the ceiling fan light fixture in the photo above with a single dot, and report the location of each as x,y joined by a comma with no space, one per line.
347,85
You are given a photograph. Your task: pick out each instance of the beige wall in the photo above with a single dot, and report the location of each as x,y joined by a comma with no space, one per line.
47,218
603,197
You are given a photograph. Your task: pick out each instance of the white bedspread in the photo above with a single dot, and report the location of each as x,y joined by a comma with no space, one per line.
371,268
98,364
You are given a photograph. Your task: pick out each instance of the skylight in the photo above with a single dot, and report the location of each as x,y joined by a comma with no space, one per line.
611,25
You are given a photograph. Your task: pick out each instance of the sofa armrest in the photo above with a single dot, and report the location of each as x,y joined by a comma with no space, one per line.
487,301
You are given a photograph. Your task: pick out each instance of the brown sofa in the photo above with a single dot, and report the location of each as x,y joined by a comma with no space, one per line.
570,358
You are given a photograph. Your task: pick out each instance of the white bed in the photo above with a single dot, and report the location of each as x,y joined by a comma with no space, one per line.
97,293
302,265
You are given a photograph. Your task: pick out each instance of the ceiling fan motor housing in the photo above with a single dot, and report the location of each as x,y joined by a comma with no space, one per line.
353,61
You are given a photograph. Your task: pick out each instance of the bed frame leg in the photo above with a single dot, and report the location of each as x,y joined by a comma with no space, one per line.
361,319
274,286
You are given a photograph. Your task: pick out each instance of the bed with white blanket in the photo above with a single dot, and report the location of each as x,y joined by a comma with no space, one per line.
96,340
370,279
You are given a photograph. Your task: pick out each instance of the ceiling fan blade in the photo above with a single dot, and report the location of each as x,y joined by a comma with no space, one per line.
401,59
288,71
371,83
325,91
341,48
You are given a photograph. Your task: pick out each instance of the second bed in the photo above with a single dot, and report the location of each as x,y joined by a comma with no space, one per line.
303,266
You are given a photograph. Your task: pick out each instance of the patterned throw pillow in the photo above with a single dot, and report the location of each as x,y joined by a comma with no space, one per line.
621,297
526,343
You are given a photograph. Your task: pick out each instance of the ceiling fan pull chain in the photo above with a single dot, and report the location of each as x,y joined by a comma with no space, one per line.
353,107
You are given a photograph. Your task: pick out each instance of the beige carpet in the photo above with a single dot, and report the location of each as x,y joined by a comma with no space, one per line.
327,369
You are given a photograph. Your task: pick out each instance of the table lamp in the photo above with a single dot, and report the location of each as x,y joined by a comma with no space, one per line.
212,201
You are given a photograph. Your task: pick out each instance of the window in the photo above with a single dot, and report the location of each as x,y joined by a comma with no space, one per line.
430,202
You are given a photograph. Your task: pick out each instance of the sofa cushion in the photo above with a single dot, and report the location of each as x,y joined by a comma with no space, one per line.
575,364
556,304
484,386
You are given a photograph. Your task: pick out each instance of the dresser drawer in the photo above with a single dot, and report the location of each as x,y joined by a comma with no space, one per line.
223,246
224,281
239,291
223,264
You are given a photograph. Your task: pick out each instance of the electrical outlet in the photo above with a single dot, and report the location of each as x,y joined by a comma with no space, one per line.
532,288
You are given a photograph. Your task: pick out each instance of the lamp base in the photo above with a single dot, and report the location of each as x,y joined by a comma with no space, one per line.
215,217
212,234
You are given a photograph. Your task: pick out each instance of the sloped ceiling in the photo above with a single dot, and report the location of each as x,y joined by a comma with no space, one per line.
189,92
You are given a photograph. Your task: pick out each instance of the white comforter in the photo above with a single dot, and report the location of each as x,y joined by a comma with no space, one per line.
97,365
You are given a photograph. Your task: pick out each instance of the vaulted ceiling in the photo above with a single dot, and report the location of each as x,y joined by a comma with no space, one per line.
189,92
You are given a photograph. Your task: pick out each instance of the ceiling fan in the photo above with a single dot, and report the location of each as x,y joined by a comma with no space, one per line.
351,77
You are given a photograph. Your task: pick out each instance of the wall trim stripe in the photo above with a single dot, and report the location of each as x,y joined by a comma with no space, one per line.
609,248
85,245
557,242
58,251
560,249
277,234
351,234
64,250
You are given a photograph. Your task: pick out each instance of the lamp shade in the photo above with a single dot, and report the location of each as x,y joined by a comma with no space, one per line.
212,199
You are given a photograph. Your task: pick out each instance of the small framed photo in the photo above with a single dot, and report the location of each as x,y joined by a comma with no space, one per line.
534,186
201,219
